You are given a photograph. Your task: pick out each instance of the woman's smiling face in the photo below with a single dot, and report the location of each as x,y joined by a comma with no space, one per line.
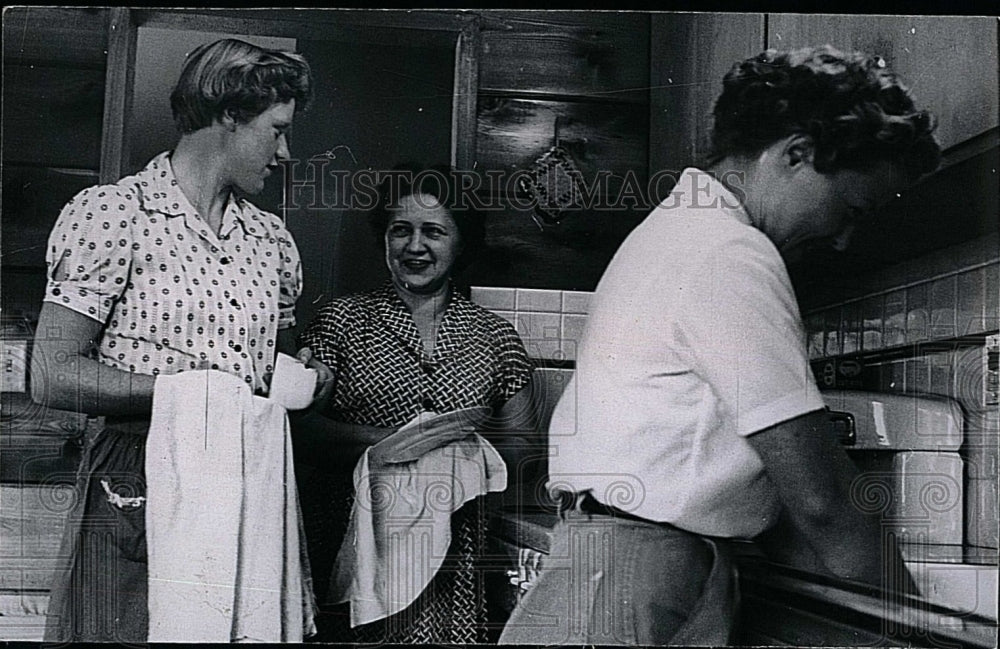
422,243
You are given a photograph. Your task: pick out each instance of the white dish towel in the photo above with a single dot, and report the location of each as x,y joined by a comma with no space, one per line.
400,526
226,557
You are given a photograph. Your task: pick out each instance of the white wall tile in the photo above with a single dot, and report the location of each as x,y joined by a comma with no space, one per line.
917,313
494,298
991,297
831,326
942,305
894,323
981,459
982,505
532,299
572,332
930,498
872,313
575,302
850,327
541,334
939,365
970,301
918,378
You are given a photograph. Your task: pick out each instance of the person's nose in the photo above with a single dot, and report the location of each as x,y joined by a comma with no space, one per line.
282,152
843,240
415,243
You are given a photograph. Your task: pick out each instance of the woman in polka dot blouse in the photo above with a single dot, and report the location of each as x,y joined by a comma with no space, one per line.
165,271
411,346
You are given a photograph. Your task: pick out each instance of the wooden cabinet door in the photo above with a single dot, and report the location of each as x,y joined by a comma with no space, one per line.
949,62
690,53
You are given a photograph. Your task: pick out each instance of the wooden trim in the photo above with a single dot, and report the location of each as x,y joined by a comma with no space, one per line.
970,148
117,94
465,97
309,24
622,98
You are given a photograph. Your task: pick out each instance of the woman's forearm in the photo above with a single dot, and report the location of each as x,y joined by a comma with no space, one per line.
514,431
64,376
89,386
321,440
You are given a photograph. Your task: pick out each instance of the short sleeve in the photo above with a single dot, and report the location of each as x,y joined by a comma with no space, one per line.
290,283
89,253
740,325
325,334
515,368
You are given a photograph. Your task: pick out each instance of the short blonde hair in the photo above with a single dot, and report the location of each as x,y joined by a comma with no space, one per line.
239,78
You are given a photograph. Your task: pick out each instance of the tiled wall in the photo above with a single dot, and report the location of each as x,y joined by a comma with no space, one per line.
960,303
550,322
918,329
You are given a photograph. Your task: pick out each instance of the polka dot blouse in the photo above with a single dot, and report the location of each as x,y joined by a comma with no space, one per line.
137,257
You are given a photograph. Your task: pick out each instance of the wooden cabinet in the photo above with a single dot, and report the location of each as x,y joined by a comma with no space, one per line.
689,55
53,97
949,62
567,53
578,79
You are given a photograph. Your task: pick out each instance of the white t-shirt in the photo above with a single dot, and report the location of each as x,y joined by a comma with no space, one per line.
693,343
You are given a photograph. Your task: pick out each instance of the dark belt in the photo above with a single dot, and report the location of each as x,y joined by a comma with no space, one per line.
586,503
135,424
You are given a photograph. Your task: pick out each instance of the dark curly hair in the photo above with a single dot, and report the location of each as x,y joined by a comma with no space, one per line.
855,110
240,78
441,182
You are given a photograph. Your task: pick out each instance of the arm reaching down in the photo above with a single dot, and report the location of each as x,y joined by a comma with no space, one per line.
813,476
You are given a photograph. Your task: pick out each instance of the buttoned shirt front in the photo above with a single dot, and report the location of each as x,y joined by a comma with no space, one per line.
171,294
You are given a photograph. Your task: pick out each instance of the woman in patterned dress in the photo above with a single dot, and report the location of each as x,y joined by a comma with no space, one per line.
413,345
162,272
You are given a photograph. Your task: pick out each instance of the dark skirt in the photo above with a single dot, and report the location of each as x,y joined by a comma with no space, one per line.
99,591
451,610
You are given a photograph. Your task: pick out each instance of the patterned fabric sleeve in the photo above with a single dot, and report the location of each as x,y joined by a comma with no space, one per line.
515,368
291,278
90,251
325,334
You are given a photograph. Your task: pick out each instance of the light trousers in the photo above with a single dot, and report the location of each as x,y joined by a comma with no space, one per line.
614,581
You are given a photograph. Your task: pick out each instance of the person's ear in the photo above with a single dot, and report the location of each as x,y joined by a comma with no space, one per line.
798,150
228,120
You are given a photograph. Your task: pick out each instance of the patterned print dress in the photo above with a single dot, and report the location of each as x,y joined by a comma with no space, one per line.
383,377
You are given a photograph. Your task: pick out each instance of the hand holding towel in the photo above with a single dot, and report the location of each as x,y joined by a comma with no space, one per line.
400,527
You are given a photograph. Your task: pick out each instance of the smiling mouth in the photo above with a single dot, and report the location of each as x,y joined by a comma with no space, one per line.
416,265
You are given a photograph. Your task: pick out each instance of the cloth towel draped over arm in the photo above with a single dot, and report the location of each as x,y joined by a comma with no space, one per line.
226,552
